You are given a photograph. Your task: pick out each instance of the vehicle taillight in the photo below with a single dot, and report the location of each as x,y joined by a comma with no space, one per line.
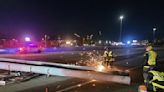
21,49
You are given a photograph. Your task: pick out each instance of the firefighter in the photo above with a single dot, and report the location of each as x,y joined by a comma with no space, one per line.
150,63
156,83
108,58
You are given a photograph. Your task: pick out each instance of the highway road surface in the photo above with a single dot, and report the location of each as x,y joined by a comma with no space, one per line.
126,60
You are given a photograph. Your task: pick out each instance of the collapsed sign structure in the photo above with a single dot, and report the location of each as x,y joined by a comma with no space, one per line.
83,72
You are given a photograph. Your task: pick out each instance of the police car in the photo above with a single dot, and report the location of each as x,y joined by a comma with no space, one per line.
30,49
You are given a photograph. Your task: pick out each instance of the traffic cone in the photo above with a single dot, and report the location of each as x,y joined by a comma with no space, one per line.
142,88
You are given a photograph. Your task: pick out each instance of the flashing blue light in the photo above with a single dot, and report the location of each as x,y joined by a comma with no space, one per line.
128,42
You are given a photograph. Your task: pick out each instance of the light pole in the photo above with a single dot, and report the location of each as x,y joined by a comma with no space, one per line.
121,18
45,39
154,30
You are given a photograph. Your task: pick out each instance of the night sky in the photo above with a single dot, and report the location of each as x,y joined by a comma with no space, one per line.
20,18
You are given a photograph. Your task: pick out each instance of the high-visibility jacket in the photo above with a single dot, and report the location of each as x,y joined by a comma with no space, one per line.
158,77
152,57
108,55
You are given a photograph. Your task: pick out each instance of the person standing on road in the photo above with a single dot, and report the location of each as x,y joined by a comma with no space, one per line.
108,57
150,63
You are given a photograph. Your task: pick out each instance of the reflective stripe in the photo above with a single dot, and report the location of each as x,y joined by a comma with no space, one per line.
145,81
154,89
108,56
110,53
157,85
157,75
105,53
146,66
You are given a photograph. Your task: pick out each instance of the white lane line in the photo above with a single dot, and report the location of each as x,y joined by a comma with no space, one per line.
75,86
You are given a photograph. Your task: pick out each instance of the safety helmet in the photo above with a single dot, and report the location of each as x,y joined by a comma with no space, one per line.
149,45
107,48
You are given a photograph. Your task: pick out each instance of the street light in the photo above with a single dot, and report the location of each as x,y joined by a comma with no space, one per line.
154,30
121,18
45,39
27,39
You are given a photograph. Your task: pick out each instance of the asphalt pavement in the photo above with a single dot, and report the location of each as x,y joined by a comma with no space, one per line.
128,59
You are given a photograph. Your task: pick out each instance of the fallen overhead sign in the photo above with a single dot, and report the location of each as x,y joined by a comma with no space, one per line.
60,71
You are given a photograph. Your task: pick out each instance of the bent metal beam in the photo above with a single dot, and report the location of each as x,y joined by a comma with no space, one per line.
52,70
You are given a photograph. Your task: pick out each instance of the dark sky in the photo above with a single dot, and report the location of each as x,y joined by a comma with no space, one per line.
20,18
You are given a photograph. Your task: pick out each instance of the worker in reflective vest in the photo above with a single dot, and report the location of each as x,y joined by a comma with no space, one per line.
150,62
156,80
108,57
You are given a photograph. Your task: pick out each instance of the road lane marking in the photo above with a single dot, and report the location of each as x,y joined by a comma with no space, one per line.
75,86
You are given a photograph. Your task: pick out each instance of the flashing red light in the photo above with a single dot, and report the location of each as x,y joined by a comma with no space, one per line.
20,49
